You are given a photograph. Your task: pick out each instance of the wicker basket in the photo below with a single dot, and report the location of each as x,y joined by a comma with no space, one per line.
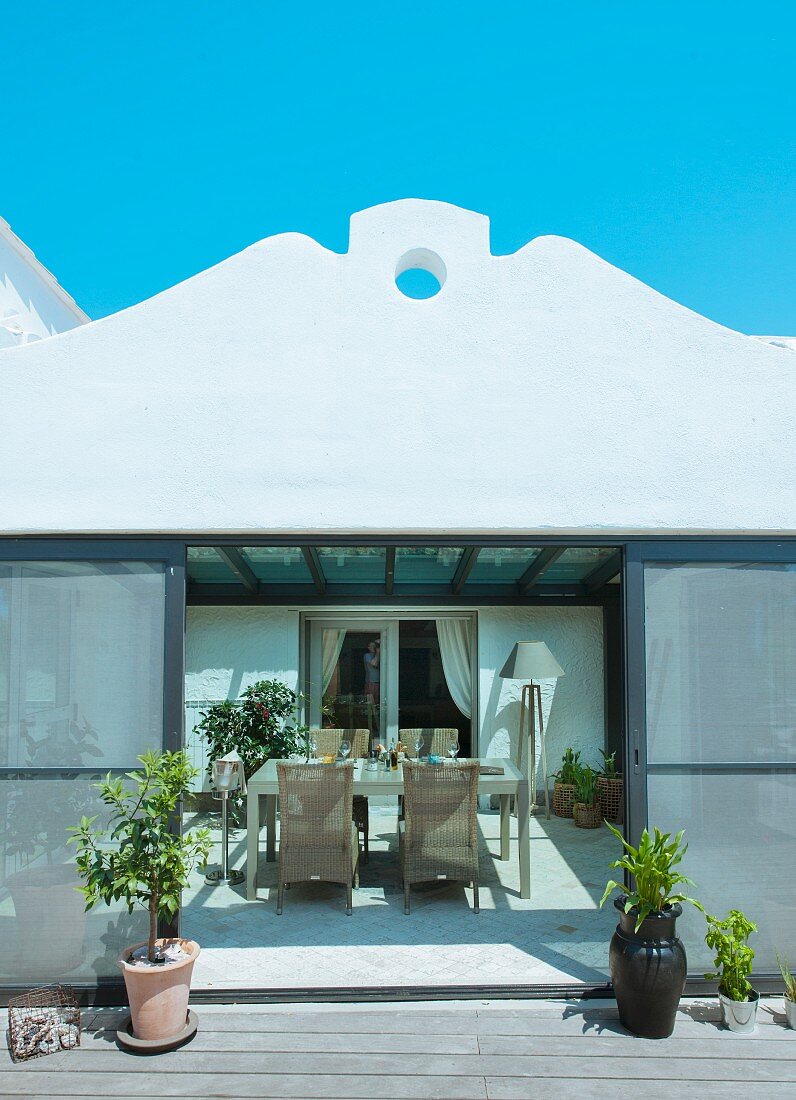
587,817
42,1022
610,794
563,799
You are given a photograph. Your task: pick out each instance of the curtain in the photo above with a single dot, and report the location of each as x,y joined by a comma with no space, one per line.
455,640
331,647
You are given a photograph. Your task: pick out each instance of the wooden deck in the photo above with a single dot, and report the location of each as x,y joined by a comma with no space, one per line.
496,1050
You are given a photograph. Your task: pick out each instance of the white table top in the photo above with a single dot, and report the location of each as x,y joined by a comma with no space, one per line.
382,782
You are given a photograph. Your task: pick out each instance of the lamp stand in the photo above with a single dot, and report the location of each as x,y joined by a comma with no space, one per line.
531,701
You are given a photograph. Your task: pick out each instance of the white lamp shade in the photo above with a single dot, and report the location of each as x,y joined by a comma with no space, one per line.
531,661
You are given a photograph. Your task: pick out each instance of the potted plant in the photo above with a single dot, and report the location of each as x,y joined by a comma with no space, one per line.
729,938
610,789
140,860
586,810
259,726
564,784
789,978
647,960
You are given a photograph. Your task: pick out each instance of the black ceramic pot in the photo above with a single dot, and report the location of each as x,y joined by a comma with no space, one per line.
648,970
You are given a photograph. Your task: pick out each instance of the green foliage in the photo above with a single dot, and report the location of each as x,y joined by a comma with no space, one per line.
567,773
788,977
138,859
729,938
609,765
652,867
586,786
260,726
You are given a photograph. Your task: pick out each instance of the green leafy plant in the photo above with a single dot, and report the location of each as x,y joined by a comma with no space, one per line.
652,867
567,773
729,938
788,977
609,765
260,726
586,786
138,858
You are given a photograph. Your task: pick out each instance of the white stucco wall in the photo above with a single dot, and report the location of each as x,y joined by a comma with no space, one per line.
228,648
32,303
541,391
572,706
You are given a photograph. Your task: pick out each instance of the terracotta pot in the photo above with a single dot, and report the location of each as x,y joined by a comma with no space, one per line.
563,799
158,995
587,817
50,919
610,795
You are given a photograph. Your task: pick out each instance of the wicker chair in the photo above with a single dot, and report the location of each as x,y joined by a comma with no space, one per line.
318,841
328,740
438,837
435,739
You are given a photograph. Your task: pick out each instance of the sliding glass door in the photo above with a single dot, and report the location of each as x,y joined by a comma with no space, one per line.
720,716
90,677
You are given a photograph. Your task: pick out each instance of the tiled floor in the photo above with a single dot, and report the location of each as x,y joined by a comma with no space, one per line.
558,936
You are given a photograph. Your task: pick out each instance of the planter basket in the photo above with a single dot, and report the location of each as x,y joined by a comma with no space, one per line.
563,799
42,1022
587,817
610,794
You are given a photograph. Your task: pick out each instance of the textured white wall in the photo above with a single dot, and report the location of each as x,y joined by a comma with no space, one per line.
228,648
572,706
32,304
542,391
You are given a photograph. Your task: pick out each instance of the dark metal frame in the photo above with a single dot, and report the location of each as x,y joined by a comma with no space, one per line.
635,551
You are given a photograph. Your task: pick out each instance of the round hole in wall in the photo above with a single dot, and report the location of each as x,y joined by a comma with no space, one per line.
420,273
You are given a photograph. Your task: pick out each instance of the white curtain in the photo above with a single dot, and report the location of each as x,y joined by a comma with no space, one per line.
455,641
331,647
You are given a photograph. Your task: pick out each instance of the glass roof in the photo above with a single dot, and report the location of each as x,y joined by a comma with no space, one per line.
501,564
426,564
576,563
501,570
353,564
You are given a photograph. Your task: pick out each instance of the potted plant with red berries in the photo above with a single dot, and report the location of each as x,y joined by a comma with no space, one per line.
261,725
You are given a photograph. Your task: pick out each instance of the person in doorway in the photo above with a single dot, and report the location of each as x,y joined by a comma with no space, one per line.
371,660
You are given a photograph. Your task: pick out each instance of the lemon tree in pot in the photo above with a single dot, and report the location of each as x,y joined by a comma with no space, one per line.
646,958
729,938
141,861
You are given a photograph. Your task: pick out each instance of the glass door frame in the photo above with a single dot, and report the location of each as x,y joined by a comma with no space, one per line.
393,617
388,682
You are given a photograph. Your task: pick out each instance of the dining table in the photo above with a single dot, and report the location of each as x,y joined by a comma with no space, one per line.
499,776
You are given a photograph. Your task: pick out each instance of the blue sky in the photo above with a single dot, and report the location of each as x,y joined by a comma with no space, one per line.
143,143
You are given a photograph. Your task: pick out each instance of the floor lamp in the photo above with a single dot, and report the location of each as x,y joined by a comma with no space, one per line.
529,662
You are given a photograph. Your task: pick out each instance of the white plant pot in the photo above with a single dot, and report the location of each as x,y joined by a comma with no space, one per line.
740,1016
790,1013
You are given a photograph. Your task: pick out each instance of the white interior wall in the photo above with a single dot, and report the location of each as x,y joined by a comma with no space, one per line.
228,648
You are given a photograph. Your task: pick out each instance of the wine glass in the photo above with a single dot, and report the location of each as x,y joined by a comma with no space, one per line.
312,747
345,748
453,748
418,746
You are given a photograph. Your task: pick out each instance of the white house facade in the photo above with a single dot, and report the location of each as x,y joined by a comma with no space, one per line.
255,473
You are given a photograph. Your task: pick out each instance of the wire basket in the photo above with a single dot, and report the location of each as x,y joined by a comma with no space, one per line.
42,1022
610,794
563,799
